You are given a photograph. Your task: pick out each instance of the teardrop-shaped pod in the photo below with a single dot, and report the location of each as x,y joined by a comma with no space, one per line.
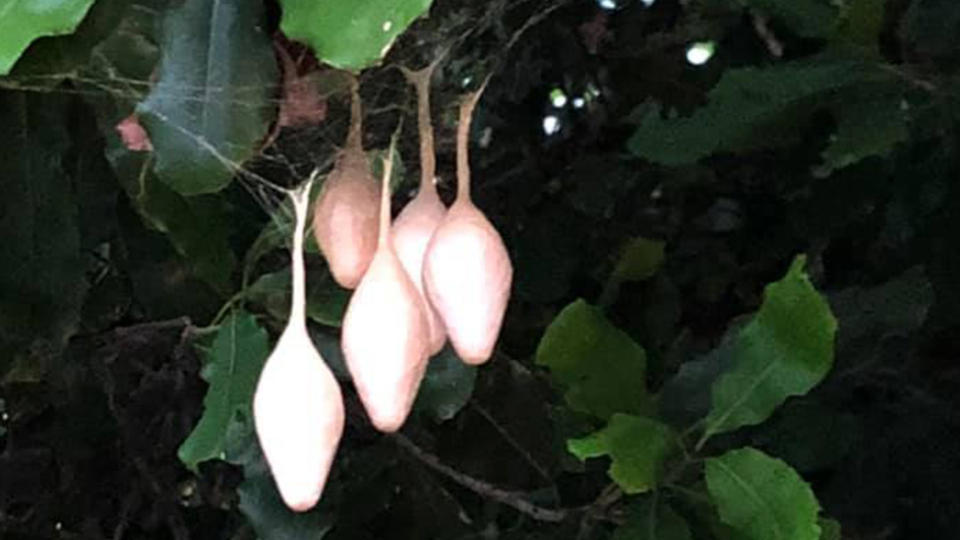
467,272
417,222
385,331
345,213
297,406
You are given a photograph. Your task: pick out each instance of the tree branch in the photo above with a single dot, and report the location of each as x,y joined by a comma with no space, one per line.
513,499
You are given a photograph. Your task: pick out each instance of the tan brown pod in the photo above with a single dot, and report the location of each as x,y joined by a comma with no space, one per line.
467,272
416,224
345,212
385,332
297,405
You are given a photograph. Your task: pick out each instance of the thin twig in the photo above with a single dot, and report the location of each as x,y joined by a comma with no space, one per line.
511,440
515,500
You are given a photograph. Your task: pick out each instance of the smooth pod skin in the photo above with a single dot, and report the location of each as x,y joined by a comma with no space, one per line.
297,406
412,231
467,275
345,213
467,272
385,333
417,222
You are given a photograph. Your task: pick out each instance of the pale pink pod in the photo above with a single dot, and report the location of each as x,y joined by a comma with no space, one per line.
345,213
417,222
385,332
467,273
297,406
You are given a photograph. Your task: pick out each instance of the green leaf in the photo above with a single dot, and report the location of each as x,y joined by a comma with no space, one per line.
602,368
807,18
762,496
749,108
685,397
22,21
212,101
830,529
866,126
653,520
786,350
446,387
198,227
640,259
861,25
637,447
41,269
232,368
349,35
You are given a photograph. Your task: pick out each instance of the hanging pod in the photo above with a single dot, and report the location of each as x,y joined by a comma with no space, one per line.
297,406
467,272
345,212
417,222
385,331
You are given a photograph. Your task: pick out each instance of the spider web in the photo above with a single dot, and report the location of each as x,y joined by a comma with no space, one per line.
475,40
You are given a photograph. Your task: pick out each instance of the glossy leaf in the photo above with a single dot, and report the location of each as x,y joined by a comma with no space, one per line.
651,519
349,35
212,100
637,447
232,367
786,350
762,496
41,269
22,21
446,387
601,367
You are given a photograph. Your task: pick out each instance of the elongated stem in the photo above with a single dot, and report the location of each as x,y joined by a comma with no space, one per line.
463,142
298,308
355,135
428,161
384,233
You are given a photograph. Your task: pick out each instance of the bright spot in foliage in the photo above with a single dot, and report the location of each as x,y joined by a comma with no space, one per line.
551,124
387,25
699,53
647,3
558,98
592,91
607,4
578,103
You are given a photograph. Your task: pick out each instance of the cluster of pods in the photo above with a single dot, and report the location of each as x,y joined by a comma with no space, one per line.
434,273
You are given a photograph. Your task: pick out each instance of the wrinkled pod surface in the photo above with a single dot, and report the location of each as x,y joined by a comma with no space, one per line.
297,406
